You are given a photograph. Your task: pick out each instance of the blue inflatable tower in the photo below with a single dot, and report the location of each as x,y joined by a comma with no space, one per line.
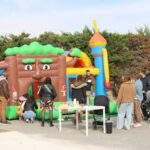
97,44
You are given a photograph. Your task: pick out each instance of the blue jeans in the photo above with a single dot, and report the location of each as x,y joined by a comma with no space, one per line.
124,110
29,114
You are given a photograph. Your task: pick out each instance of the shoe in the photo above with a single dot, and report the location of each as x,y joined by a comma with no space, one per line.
132,125
6,122
51,123
119,128
27,120
137,125
126,128
42,124
32,120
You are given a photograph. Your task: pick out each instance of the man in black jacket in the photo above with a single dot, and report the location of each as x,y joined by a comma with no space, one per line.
148,87
143,79
144,83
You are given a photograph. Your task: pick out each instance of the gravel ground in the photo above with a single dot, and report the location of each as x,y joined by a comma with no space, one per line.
20,135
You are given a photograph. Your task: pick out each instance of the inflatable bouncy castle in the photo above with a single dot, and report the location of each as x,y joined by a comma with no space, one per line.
28,66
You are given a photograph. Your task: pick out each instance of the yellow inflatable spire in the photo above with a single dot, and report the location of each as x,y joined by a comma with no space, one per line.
95,26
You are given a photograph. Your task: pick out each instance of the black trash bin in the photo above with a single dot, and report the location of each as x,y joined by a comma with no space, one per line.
109,126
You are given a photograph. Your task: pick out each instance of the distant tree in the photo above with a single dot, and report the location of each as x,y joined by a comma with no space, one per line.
13,41
118,52
49,38
143,31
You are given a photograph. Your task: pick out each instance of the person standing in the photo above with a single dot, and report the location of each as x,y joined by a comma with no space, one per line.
89,79
143,79
125,103
4,96
137,118
47,94
148,87
79,93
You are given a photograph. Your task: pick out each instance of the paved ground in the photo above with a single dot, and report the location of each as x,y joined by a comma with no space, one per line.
23,136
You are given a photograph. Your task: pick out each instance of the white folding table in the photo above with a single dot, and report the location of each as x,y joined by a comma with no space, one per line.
82,108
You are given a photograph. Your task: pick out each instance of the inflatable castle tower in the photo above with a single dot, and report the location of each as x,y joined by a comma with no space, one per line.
99,52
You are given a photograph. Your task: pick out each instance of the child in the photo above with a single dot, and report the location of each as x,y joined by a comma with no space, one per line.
20,108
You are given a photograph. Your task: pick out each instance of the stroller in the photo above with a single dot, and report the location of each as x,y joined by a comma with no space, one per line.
146,110
100,100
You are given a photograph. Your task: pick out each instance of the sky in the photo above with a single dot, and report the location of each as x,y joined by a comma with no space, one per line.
39,16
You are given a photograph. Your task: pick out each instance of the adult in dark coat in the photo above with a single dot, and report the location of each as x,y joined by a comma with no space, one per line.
79,93
79,90
144,83
143,79
47,94
148,87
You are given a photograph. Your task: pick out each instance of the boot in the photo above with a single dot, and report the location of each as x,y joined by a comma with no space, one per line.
42,124
32,120
51,123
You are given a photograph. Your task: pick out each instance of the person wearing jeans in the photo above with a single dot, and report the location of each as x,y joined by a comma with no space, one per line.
29,109
125,103
124,110
29,115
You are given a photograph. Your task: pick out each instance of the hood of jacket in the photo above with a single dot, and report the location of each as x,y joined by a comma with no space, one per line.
78,85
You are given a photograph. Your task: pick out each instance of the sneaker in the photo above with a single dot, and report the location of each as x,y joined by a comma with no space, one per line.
32,120
118,128
137,125
125,128
27,120
132,125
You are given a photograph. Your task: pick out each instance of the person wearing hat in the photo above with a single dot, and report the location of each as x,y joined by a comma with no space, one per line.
4,96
